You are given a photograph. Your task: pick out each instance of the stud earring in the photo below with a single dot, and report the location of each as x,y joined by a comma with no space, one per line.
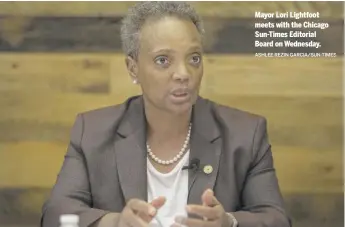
135,81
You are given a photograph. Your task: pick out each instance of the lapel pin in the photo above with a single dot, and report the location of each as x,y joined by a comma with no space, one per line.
208,169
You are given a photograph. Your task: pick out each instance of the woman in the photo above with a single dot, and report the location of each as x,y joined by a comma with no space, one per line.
167,157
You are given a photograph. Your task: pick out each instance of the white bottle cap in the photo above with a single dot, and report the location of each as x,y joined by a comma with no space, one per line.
69,218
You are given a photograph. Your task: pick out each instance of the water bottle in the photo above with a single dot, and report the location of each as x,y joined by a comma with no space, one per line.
69,220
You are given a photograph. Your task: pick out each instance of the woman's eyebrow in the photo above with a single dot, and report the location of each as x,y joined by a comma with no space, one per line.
159,50
168,50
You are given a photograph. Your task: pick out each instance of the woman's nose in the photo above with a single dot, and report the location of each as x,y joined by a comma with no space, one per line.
181,73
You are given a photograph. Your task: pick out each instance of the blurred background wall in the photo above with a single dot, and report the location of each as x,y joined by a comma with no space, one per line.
61,58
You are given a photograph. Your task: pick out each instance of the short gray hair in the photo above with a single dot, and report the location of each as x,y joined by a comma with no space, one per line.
137,15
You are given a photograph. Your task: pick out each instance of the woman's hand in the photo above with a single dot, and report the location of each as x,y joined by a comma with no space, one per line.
212,213
138,213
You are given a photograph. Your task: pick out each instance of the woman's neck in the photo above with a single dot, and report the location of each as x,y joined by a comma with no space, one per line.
165,126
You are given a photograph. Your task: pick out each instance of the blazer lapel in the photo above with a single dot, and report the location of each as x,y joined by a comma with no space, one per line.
205,146
131,153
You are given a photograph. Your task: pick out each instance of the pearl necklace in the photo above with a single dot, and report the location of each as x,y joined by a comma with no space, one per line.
174,159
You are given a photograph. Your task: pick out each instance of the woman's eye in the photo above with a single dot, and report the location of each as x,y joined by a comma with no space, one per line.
196,59
161,60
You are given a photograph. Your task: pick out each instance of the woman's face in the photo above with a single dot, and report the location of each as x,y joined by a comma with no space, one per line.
169,67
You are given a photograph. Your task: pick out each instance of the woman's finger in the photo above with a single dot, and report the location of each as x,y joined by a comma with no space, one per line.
210,213
139,206
192,222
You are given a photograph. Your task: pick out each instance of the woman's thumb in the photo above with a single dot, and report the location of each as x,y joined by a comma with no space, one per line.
158,202
208,198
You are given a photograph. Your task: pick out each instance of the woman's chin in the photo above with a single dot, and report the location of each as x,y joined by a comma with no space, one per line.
180,109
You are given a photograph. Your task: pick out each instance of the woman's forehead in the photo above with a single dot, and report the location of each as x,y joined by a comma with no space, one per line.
169,33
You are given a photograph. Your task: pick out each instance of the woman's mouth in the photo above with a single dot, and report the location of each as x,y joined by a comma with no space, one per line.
180,96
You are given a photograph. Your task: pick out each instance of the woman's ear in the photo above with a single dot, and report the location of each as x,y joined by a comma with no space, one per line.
132,68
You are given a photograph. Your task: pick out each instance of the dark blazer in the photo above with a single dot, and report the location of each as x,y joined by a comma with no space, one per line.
105,164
